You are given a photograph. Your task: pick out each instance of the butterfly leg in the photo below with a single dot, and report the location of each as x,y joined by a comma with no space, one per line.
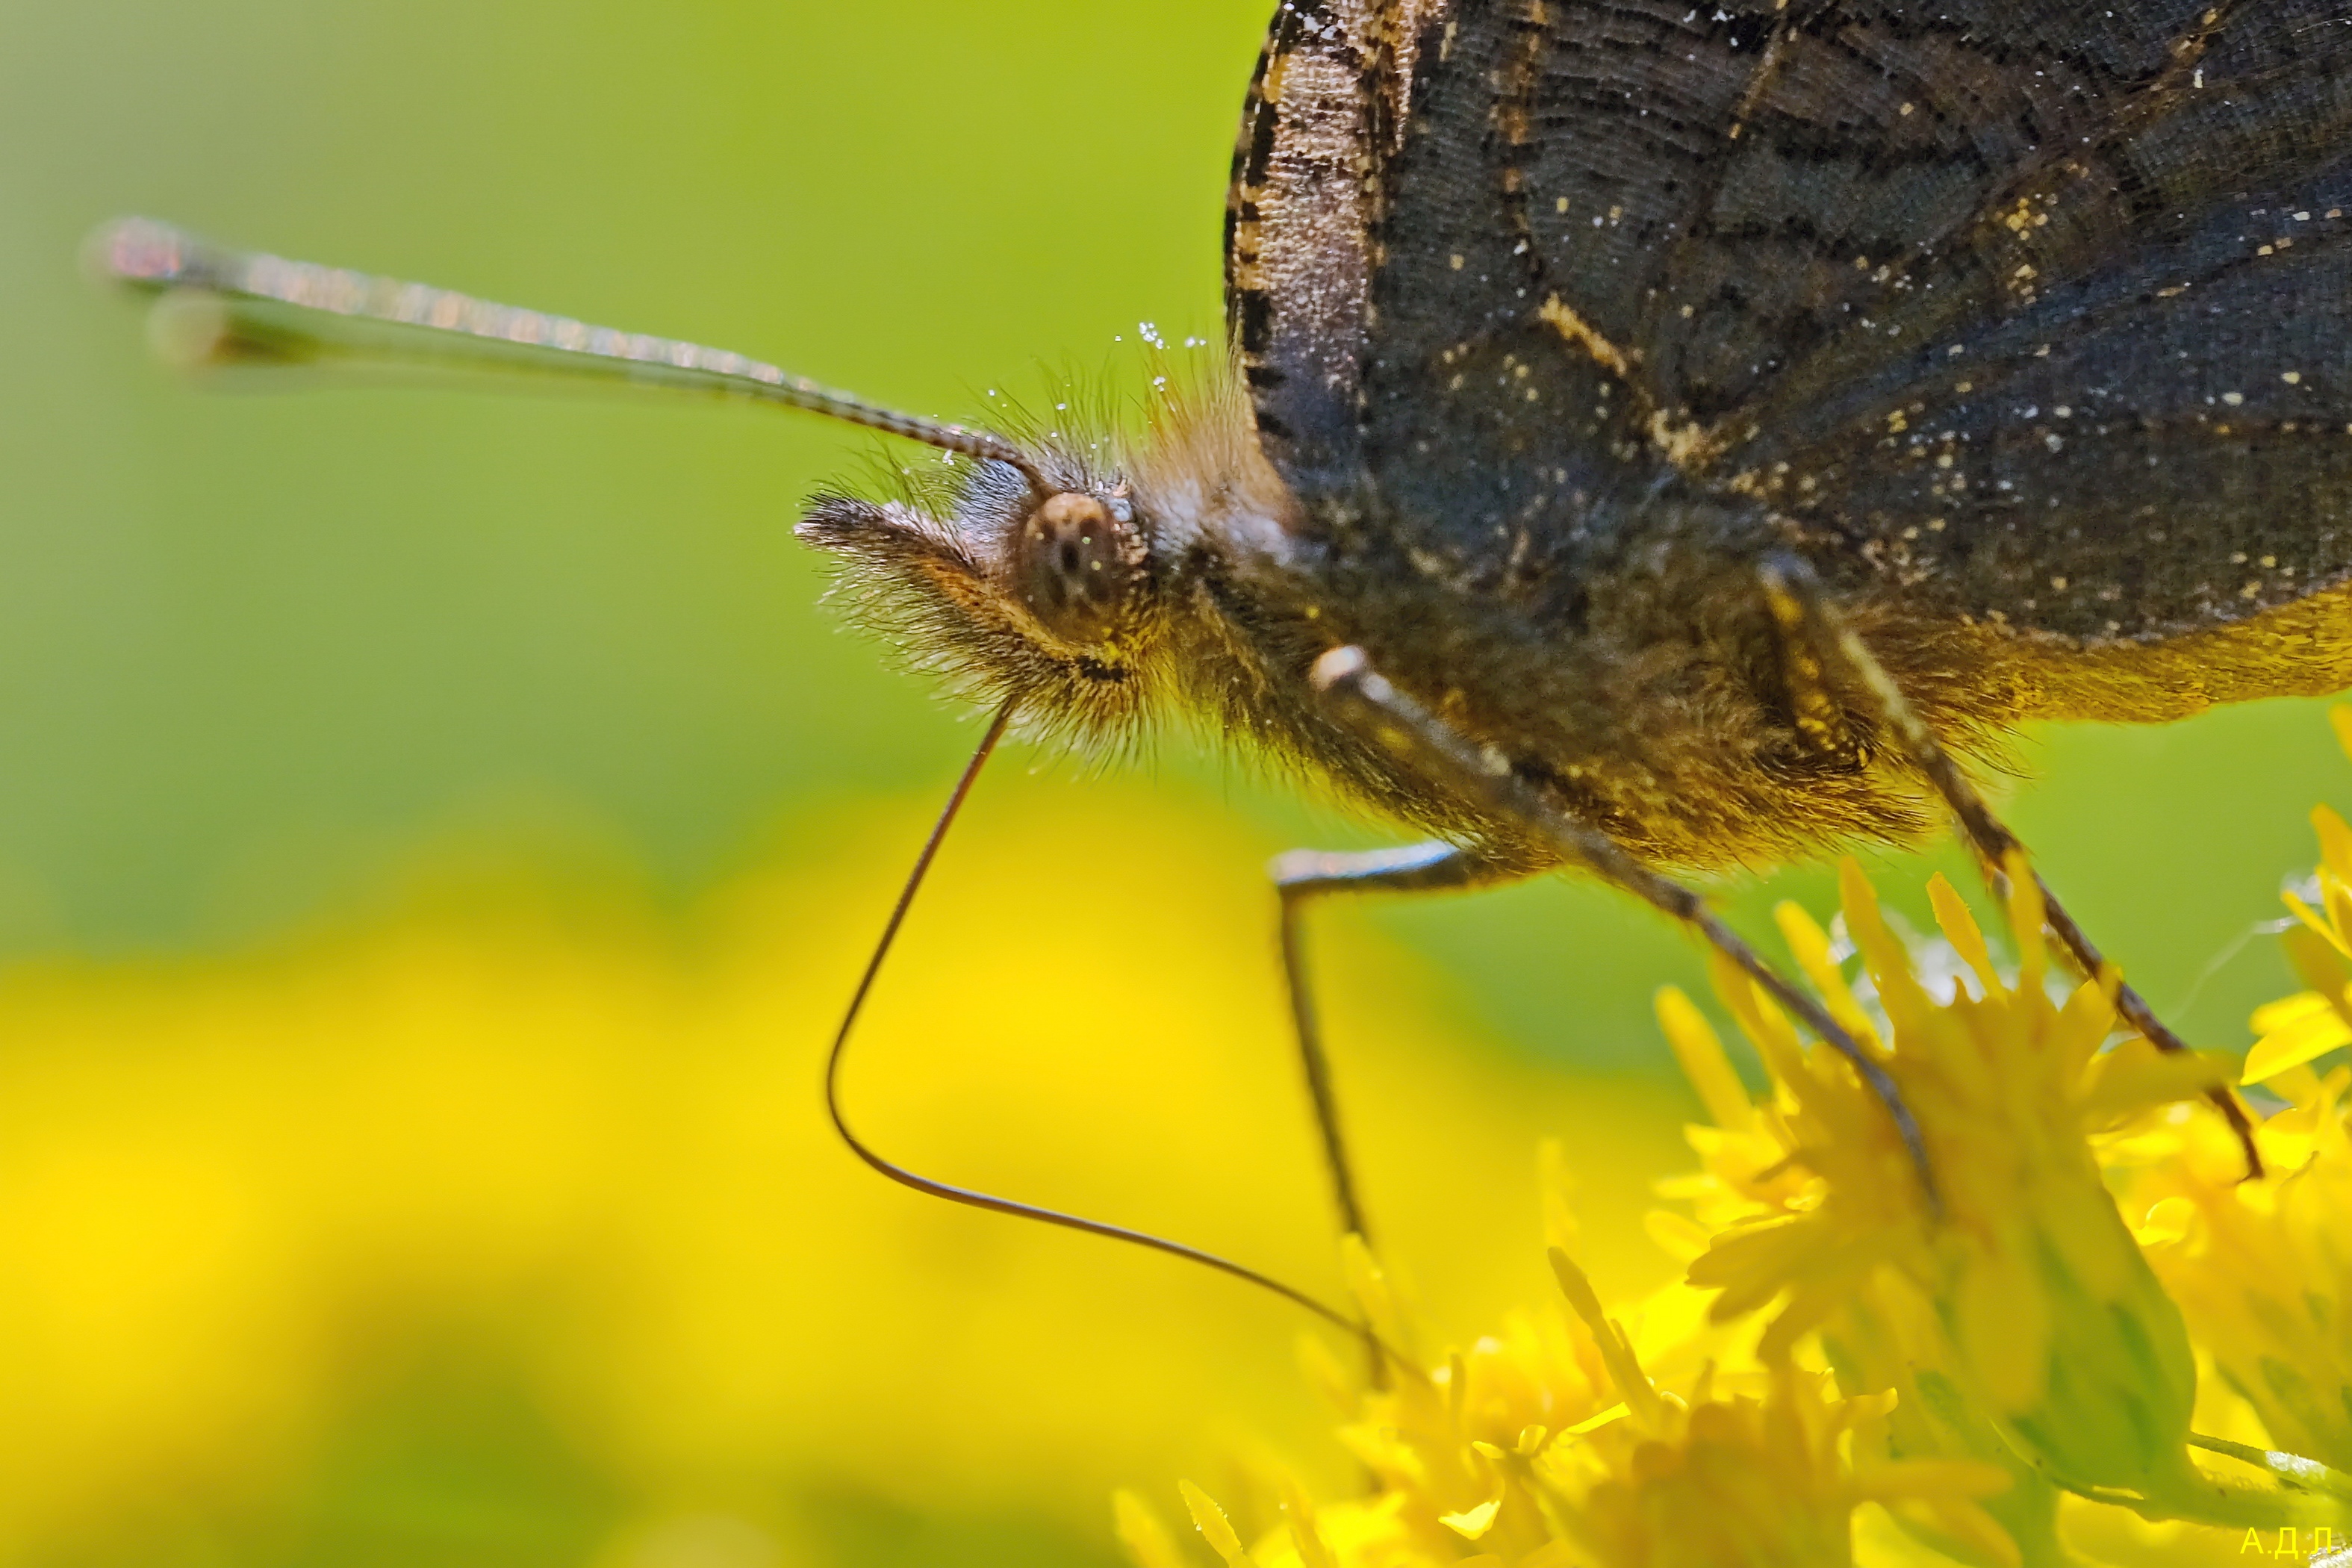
1803,611
1819,716
1303,876
1360,698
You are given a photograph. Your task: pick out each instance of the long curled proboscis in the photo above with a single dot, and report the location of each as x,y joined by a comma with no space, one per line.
973,1198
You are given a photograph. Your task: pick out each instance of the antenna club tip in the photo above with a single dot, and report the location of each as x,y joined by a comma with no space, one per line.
137,250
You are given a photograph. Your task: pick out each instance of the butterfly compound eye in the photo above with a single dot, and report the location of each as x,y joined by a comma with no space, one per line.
1077,563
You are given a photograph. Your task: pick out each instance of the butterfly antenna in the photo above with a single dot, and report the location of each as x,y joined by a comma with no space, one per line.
222,307
971,1198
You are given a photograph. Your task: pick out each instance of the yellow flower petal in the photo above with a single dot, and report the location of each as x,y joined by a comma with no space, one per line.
1214,1527
1882,952
1679,1237
2335,842
2025,920
2173,1219
1700,1052
2136,1075
1960,929
1756,1262
2292,1044
2273,1016
1774,1039
1616,1353
2086,1019
2336,895
1810,945
1808,1305
2313,922
1298,1509
2320,956
1473,1522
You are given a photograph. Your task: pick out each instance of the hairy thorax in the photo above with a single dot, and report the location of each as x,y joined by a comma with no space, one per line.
1625,664
1647,700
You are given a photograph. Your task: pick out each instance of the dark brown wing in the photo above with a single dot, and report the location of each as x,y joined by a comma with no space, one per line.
2037,311
1310,174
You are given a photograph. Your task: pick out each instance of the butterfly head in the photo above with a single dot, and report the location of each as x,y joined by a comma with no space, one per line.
1038,585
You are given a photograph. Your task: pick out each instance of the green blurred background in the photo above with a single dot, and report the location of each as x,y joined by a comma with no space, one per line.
298,690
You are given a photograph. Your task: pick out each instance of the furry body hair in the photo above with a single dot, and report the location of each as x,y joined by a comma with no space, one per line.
1648,699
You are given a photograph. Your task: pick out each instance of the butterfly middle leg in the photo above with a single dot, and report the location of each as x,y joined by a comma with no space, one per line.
1300,877
1802,611
1360,697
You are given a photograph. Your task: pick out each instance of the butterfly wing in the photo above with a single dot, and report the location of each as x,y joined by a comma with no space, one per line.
1311,176
2027,311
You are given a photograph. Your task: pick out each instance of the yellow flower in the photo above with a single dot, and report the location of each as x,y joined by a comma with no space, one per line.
2309,1024
1957,1361
1550,1446
2305,1026
1764,1477
2263,1269
276,1229
2045,1313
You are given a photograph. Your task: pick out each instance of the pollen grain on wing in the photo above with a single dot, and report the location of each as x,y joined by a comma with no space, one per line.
1687,444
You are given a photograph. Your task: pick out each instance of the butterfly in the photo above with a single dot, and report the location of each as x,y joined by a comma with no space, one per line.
1659,436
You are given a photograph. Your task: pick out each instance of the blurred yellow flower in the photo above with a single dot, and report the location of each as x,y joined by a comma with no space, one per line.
514,1209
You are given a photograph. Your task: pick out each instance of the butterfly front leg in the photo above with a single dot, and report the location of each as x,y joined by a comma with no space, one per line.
1819,716
1802,608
